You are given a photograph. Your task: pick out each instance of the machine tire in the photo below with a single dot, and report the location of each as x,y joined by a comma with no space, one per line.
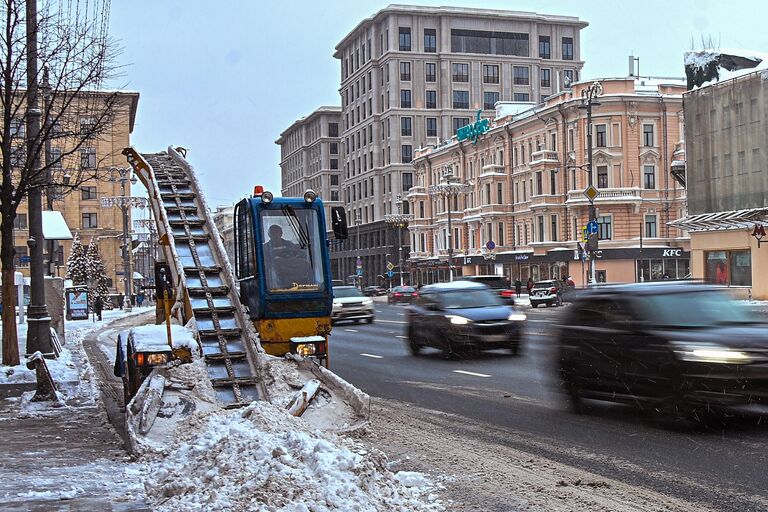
413,344
369,320
575,401
514,349
534,305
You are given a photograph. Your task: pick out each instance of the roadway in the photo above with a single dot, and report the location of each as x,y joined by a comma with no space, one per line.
722,465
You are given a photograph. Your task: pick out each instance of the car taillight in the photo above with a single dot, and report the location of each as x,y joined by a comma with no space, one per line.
398,294
553,290
415,294
506,293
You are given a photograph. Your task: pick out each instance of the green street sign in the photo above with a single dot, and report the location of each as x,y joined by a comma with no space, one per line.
473,131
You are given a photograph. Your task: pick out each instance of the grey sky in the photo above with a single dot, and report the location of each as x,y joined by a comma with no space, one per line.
225,78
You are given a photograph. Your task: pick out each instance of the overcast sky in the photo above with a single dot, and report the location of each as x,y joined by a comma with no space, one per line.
223,79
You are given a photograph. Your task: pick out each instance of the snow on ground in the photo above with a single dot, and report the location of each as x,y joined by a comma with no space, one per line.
262,458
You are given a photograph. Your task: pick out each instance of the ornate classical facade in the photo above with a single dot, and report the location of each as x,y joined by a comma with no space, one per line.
524,190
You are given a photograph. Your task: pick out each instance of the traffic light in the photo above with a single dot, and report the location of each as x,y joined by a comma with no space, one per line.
591,245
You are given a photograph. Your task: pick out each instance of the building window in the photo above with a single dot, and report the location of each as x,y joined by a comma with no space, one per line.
731,268
489,43
87,126
19,156
567,77
88,193
490,74
601,132
405,39
648,135
407,153
430,72
649,176
17,127
405,126
405,71
459,122
460,99
20,222
431,97
540,224
521,96
333,129
650,226
407,181
334,195
55,155
539,184
602,176
334,163
431,127
405,98
334,148
334,179
546,77
544,48
430,40
21,256
90,221
553,228
460,72
521,76
604,230
490,99
88,158
567,48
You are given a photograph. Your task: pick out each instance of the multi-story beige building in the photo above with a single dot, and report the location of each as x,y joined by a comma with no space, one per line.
81,207
310,156
411,76
524,182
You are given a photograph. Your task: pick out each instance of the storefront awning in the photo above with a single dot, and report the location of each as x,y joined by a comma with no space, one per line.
734,219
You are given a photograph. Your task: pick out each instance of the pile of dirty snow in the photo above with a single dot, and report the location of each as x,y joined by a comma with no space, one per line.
261,458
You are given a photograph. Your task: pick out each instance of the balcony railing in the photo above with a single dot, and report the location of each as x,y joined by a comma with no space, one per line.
607,194
492,169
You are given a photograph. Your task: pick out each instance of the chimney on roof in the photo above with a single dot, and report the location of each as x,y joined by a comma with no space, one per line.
632,60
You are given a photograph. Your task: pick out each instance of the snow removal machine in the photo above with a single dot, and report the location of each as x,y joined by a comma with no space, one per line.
282,265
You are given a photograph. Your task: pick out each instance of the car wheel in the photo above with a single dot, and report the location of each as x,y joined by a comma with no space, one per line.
534,305
369,320
575,400
448,350
413,342
514,349
126,395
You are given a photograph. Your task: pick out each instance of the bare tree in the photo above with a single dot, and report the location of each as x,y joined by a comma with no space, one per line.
76,59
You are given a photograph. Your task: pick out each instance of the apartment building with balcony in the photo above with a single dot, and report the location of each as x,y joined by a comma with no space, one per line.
310,157
524,182
410,77
81,207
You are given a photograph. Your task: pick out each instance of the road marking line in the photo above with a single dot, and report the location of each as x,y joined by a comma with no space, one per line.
373,356
391,321
471,373
402,337
351,330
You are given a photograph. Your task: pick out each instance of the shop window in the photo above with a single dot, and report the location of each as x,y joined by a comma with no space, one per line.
731,268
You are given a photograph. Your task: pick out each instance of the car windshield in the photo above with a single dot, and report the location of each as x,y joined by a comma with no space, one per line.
406,289
343,292
694,309
461,299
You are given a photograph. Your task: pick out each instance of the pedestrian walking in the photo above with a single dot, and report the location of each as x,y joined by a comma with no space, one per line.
529,285
98,306
518,287
140,299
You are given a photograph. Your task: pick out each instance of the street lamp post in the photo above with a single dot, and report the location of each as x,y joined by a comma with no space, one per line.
125,203
588,99
400,221
358,260
450,188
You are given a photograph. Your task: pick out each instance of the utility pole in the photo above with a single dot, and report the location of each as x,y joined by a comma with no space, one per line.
39,330
358,260
399,220
588,98
449,188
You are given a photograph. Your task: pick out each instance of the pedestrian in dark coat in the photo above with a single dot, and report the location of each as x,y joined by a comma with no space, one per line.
529,285
98,306
518,287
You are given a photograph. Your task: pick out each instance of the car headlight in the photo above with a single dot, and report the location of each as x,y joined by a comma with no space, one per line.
337,304
709,353
458,320
367,302
516,317
306,349
144,359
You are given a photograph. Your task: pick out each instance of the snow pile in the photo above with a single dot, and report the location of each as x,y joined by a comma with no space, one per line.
155,337
706,67
261,458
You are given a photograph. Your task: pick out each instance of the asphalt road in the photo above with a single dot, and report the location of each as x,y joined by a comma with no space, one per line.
723,465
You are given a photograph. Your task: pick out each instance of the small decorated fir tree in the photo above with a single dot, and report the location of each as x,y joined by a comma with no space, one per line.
98,274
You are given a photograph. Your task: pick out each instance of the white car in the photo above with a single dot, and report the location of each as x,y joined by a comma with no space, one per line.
349,303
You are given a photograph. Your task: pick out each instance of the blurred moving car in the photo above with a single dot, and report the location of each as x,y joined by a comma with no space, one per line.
400,294
546,292
499,284
675,347
374,291
463,315
350,304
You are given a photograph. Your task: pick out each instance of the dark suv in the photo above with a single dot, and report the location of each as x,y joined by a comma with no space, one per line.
499,284
673,347
462,315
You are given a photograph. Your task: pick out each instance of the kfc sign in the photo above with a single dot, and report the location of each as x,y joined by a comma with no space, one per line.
669,253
